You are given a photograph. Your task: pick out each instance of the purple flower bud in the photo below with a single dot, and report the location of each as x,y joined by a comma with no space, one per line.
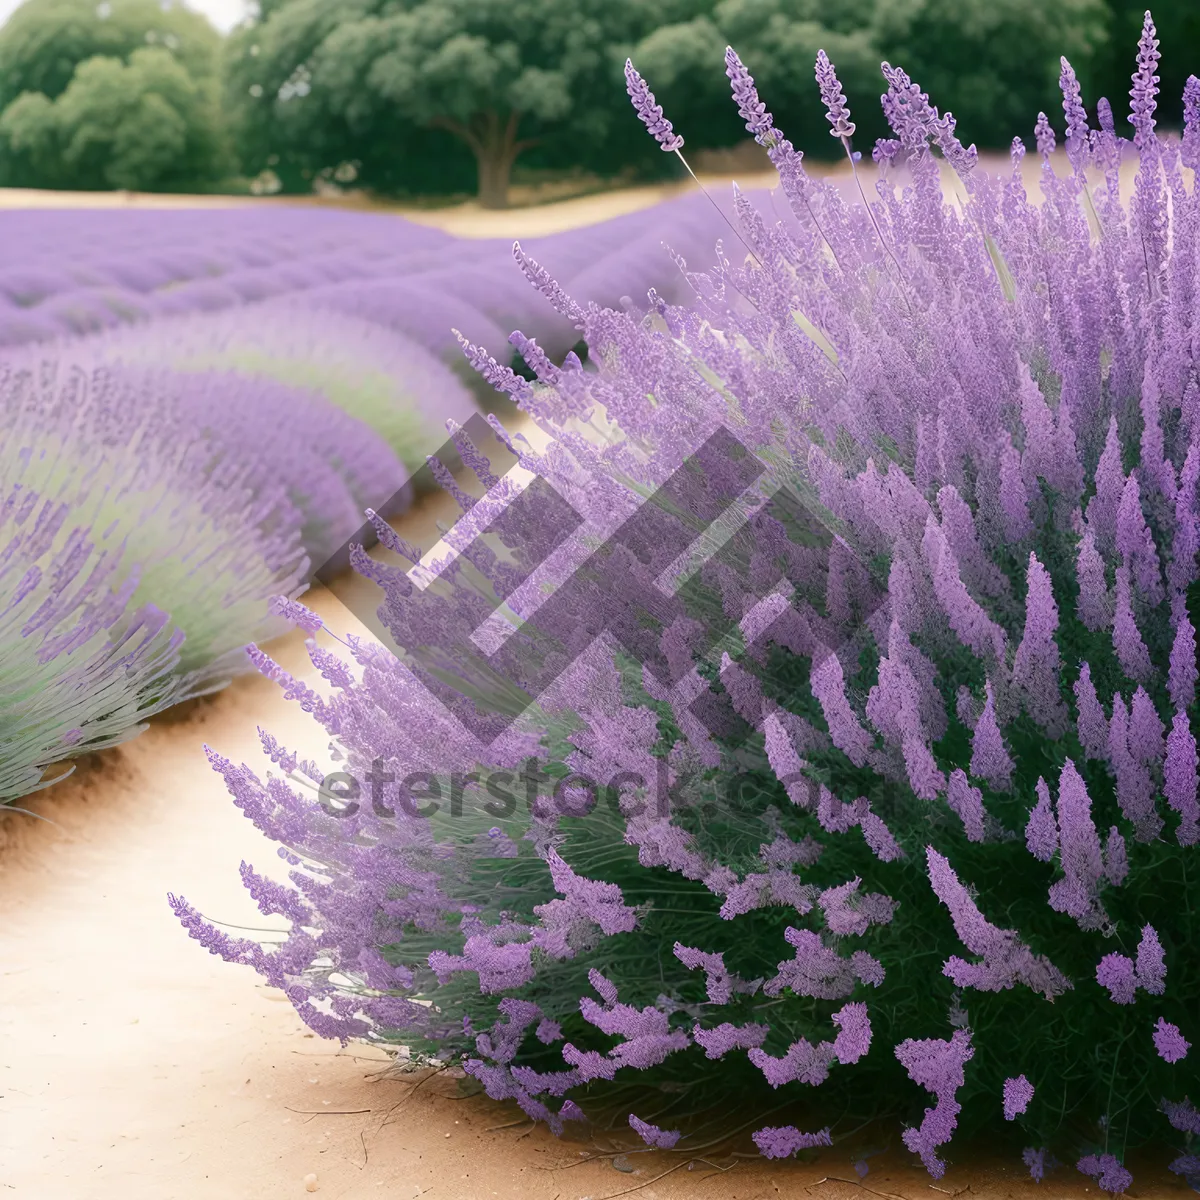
660,1139
1170,1043
937,1066
1142,102
296,613
1077,124
650,113
990,760
1041,831
1018,1092
1191,122
1092,724
836,111
1045,136
1035,1160
1106,1169
783,1141
1180,779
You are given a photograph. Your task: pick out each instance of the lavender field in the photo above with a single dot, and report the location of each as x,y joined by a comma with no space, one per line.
201,404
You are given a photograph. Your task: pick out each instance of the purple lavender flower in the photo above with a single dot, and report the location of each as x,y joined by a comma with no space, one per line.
1107,1170
1180,779
1041,831
990,759
1077,124
1142,94
1170,1043
745,95
1116,972
1045,136
660,1139
1183,1116
836,111
1122,976
782,1141
1018,1092
1191,122
937,1066
1013,388
1007,961
650,113
1035,1160
296,613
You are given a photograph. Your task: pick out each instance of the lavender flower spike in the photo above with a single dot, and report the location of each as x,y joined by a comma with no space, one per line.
937,1066
1018,1092
1142,94
297,613
1076,114
837,113
1169,1042
1190,148
752,110
651,114
1106,1169
660,1139
783,1141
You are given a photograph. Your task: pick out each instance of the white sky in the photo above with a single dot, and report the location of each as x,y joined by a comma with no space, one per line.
224,14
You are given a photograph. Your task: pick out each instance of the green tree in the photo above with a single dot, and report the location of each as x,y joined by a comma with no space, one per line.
388,82
43,42
120,94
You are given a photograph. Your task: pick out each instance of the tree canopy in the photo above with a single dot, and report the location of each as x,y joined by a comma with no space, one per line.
117,94
448,95
43,42
373,80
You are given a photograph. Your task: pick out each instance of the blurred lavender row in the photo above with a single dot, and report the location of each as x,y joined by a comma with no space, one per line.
72,272
197,407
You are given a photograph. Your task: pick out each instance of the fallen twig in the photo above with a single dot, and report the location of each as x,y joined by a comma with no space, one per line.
858,1183
669,1171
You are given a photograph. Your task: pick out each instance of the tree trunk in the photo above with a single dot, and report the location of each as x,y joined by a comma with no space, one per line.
495,171
493,141
495,154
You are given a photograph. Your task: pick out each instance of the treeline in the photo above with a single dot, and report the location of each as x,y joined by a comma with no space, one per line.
447,96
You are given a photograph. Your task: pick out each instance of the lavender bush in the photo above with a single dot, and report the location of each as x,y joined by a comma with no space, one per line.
950,887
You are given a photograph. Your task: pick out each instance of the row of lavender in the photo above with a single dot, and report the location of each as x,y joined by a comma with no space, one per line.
197,408
963,890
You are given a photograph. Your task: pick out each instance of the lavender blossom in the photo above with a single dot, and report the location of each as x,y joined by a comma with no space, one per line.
1006,960
990,759
958,395
937,1066
1122,976
1035,1160
836,111
1142,94
660,1139
1018,1092
1107,1170
1169,1042
785,1140
650,113
1077,125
